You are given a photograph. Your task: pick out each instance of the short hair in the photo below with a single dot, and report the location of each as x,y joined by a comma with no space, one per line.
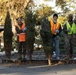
70,16
55,15
19,18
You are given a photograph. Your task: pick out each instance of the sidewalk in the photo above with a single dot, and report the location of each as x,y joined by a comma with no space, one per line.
12,69
36,69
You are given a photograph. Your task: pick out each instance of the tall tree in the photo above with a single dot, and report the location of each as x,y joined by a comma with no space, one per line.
44,11
30,21
15,7
66,5
45,33
8,35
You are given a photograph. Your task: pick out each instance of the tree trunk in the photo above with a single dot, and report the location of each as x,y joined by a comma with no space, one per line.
49,60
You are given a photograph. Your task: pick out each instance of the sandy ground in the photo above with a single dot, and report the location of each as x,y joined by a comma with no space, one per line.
16,69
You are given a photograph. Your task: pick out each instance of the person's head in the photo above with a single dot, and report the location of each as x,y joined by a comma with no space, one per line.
70,17
19,20
55,17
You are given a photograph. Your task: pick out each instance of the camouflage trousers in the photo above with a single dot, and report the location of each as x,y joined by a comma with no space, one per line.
74,40
70,42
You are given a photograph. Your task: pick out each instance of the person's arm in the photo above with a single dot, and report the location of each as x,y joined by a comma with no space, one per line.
24,29
17,30
59,30
65,29
17,26
20,30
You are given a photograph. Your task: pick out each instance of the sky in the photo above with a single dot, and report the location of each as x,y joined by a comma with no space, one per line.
49,3
52,3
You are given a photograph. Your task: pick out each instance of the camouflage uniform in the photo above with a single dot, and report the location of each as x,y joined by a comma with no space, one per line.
69,45
69,37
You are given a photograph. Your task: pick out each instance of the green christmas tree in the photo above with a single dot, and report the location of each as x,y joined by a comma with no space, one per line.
45,33
30,21
8,35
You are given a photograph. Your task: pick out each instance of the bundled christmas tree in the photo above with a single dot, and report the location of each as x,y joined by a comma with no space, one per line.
45,33
30,21
8,36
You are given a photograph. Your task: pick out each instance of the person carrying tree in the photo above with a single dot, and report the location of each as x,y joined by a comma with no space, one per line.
55,29
74,32
69,30
21,35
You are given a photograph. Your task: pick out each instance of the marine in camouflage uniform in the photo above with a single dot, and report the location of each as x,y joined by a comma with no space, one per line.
74,35
69,30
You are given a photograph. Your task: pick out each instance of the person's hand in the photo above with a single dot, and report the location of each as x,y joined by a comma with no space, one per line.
57,31
16,25
57,37
17,34
68,30
24,29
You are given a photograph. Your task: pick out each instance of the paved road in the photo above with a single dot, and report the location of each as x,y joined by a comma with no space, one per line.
12,69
